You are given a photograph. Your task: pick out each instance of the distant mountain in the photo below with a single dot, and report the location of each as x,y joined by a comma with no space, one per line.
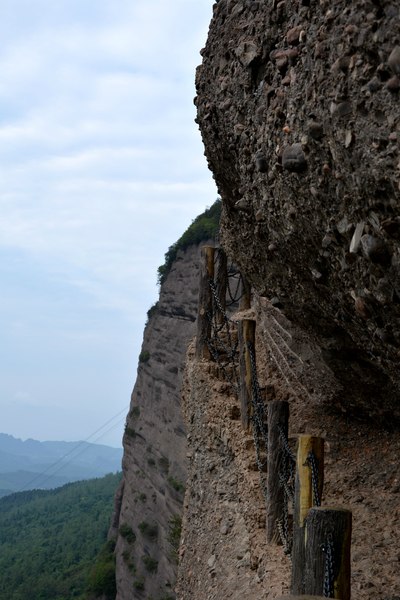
30,464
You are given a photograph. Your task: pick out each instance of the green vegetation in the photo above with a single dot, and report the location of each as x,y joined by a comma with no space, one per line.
152,310
205,226
174,535
128,559
138,584
176,484
101,581
134,413
130,432
127,532
151,564
53,542
144,356
164,464
149,531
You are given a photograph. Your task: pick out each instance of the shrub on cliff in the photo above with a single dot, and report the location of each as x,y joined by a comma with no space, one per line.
204,227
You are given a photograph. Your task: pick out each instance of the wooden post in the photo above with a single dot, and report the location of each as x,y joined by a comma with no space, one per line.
221,283
245,300
278,423
303,500
247,334
327,552
205,302
301,598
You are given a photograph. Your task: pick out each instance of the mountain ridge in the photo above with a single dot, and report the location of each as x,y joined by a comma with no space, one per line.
29,464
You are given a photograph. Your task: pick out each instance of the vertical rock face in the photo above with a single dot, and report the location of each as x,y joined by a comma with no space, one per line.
148,506
224,551
298,105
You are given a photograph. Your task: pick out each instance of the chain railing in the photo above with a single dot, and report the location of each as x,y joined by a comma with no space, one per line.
259,422
224,348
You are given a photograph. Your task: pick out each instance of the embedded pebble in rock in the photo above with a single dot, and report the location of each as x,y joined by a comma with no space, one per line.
315,130
293,35
211,561
341,110
394,60
242,204
261,162
375,249
293,158
356,239
393,84
374,85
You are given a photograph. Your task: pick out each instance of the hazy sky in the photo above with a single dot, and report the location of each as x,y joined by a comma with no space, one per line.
101,170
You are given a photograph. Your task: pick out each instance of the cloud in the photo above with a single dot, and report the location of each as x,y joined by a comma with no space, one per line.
101,170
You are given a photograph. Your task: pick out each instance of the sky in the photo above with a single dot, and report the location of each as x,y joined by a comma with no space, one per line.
101,170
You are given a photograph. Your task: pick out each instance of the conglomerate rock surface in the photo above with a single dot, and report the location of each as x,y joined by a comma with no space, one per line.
298,105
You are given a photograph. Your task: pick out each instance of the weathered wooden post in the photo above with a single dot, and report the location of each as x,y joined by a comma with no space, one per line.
221,284
301,598
204,315
278,423
245,300
247,335
327,552
308,492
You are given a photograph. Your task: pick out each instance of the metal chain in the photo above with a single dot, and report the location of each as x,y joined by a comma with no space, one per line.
260,431
285,444
259,414
283,530
232,380
313,464
287,487
226,319
327,549
236,296
218,348
288,496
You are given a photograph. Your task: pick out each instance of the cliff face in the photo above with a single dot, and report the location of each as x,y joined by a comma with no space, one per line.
224,551
298,109
298,105
148,506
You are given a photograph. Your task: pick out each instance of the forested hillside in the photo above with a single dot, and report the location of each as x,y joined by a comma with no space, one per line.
50,539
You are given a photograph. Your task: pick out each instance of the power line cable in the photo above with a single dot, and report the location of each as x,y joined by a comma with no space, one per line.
39,475
77,447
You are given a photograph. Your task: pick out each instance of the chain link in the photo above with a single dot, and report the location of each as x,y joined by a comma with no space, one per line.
285,444
259,412
327,549
286,539
236,296
313,464
225,354
258,419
